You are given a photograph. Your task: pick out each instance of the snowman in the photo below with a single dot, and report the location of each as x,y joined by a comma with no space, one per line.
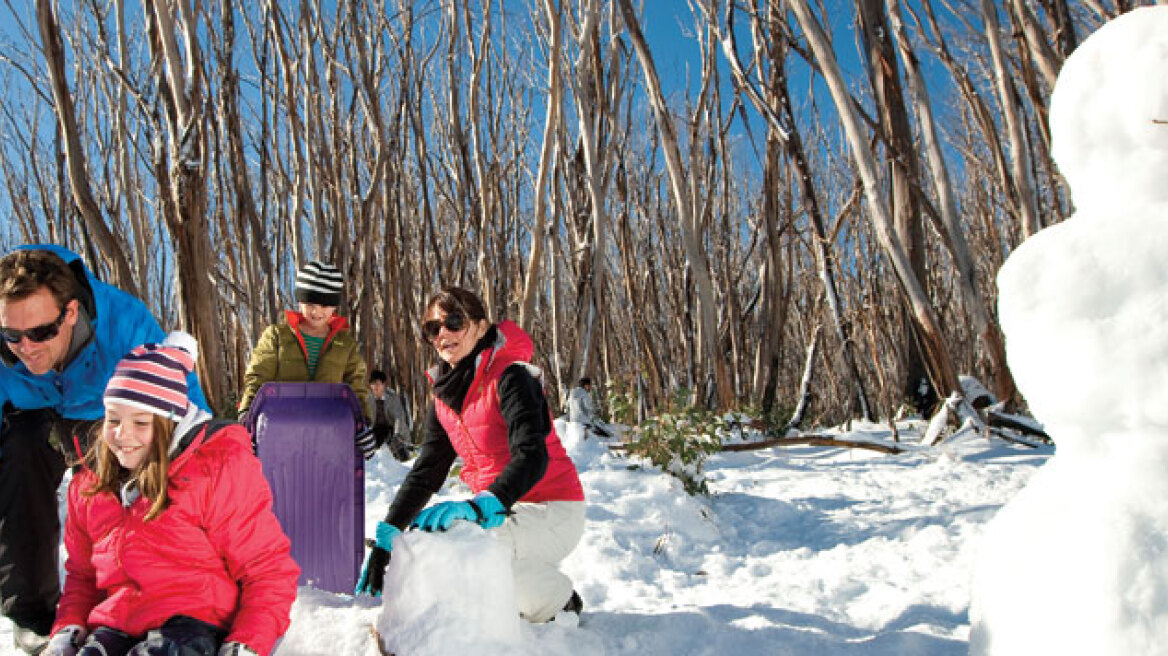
1077,563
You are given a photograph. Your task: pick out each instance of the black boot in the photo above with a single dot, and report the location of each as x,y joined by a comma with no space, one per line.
575,603
28,641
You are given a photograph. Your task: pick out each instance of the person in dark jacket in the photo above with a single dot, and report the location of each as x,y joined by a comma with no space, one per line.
63,332
391,422
173,545
489,409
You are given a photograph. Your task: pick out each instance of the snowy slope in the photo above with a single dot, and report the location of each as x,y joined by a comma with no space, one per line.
805,550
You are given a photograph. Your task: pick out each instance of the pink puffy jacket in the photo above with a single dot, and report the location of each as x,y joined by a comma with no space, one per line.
217,553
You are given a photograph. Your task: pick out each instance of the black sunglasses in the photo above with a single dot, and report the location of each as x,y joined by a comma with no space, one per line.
454,322
42,333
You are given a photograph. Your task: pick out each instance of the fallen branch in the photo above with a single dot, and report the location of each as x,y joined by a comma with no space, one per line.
1016,439
813,440
1002,420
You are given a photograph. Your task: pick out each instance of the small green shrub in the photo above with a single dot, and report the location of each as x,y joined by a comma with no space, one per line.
678,442
617,403
774,421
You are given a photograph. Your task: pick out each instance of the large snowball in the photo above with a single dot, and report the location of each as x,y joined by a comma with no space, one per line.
1109,112
450,593
1084,308
1077,563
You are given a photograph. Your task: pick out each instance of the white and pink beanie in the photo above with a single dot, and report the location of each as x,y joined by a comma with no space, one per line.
153,377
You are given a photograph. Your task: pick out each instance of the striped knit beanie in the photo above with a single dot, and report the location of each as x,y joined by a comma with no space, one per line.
319,283
153,377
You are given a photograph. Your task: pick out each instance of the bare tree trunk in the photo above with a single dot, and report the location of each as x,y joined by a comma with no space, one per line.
75,153
590,245
182,164
265,303
1048,61
289,72
776,107
800,411
987,329
931,334
546,157
1020,152
682,194
884,75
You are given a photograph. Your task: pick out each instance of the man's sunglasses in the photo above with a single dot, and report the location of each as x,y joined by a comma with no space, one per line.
42,333
454,322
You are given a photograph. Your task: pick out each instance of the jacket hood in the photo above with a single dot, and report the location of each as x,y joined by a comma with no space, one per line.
188,429
513,343
336,324
60,251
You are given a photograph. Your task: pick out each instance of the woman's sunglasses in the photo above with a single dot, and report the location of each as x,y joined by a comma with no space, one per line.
42,333
454,322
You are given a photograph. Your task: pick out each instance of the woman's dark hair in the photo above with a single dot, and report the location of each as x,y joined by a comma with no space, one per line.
456,300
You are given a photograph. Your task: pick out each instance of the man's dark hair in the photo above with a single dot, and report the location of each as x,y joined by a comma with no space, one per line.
377,375
23,272
585,381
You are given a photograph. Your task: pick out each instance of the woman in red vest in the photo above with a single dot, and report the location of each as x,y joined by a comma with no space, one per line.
489,409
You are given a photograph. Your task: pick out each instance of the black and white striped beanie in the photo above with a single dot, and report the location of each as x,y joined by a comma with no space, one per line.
319,283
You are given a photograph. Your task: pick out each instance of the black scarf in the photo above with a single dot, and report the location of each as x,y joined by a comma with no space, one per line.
454,382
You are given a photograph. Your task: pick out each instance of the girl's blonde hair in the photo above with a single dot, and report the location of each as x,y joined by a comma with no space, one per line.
150,477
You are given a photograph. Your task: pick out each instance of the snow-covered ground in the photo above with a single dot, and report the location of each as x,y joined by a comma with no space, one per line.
803,550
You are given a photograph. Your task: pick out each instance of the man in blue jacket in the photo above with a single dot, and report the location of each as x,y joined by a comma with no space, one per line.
62,332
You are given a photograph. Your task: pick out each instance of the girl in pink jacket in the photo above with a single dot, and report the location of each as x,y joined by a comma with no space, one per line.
173,547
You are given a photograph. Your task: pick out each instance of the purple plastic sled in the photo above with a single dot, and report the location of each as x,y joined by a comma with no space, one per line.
304,438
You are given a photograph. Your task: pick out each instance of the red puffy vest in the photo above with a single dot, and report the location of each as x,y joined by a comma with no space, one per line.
479,434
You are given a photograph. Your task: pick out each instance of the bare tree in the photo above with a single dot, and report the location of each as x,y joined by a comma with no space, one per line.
546,157
668,246
682,194
932,338
74,153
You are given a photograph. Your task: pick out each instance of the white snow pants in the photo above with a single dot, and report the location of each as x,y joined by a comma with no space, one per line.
540,535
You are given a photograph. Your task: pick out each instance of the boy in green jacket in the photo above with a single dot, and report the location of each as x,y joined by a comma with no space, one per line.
313,344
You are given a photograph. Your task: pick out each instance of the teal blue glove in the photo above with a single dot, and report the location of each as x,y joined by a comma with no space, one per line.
492,510
385,535
373,574
484,510
440,516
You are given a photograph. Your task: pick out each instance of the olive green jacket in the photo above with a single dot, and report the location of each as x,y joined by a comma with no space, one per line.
279,356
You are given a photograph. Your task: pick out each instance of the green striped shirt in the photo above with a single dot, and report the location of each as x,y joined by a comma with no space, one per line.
312,348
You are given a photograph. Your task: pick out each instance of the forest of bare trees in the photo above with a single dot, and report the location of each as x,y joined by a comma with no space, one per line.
844,179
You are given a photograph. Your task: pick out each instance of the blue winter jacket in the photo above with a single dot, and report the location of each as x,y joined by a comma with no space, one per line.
119,323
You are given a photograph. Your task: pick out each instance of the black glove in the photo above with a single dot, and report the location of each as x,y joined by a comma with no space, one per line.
367,442
373,574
